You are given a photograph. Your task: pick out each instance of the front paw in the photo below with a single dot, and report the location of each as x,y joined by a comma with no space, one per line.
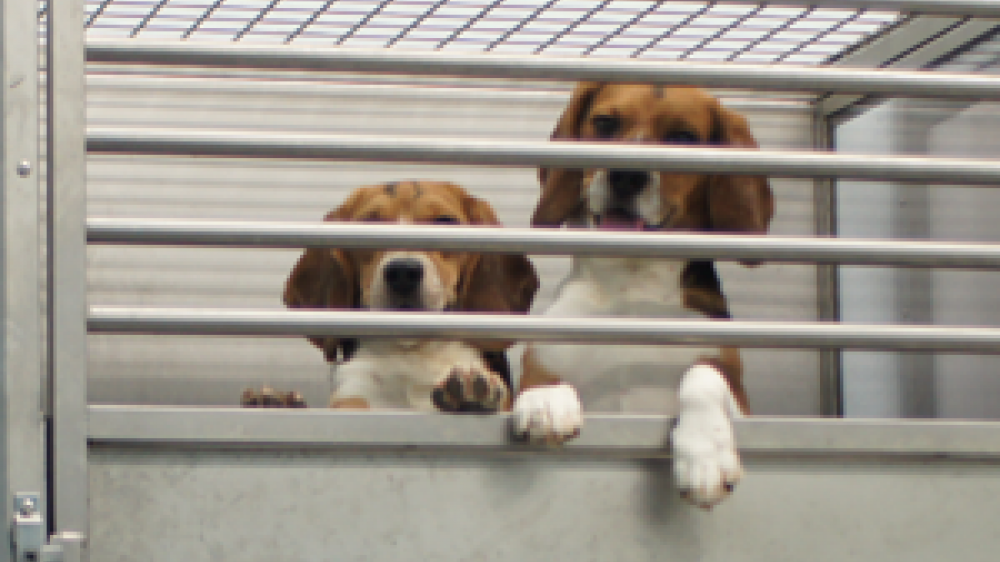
267,397
548,414
706,464
471,391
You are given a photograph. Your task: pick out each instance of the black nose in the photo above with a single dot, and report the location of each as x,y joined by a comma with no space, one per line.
626,184
403,275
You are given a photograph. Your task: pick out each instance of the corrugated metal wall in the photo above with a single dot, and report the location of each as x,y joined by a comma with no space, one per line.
213,370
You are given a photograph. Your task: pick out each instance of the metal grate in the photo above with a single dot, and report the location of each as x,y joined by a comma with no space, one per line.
651,29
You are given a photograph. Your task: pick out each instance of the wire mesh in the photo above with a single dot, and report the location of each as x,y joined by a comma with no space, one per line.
651,29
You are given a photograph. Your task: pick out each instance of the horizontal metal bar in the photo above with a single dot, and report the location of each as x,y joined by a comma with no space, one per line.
369,324
764,77
543,153
630,436
542,241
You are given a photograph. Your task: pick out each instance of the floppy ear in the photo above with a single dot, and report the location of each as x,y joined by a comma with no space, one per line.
325,278
561,188
492,282
737,203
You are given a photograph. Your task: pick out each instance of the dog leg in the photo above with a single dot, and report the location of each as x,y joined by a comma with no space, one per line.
546,410
706,464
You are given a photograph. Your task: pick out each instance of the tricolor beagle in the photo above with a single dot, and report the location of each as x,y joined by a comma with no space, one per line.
703,384
451,376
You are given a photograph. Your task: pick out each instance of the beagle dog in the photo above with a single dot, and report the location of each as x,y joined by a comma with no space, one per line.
701,385
427,375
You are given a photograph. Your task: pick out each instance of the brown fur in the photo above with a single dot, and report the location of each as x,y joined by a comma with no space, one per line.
352,403
727,203
689,202
336,279
534,374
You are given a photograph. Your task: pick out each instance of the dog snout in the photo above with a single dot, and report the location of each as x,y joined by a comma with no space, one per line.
626,184
404,275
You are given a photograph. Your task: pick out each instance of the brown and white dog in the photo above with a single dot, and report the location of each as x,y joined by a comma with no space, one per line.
429,375
704,383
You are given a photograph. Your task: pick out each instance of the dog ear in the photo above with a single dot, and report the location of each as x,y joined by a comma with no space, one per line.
561,188
491,282
737,203
325,278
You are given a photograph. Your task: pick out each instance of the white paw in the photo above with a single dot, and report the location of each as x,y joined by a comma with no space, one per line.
548,414
706,464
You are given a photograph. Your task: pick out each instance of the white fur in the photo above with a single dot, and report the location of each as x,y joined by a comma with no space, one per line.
705,457
641,378
608,377
433,294
548,413
389,374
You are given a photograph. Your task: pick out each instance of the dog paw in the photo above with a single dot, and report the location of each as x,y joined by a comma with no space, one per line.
706,464
548,414
470,391
267,397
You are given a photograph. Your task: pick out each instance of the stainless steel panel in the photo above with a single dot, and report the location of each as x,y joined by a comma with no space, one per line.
919,384
361,505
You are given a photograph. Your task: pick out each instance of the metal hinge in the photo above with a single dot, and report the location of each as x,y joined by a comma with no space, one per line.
29,535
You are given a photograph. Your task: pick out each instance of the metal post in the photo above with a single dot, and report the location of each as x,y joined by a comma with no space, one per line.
22,466
827,290
67,265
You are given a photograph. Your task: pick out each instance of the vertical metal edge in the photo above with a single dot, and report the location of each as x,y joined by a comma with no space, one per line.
21,400
827,275
66,228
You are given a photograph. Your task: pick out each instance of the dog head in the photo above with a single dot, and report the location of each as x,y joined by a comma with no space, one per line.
649,200
406,279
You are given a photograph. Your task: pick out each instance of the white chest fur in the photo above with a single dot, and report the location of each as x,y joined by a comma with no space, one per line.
616,378
389,375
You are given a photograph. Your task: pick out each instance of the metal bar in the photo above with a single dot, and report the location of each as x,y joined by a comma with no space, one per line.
610,435
370,324
67,266
543,153
765,77
542,241
915,44
22,432
827,276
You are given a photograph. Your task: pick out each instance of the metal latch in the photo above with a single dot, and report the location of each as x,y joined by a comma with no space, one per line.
29,529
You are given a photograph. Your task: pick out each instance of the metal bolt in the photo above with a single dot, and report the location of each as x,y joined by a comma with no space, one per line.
27,507
24,168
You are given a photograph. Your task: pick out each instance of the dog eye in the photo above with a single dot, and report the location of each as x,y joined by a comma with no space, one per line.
445,219
605,126
682,137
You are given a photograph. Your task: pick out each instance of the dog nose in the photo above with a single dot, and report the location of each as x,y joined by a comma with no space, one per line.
403,275
626,184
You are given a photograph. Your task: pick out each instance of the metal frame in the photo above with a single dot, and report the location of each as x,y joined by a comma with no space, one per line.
67,267
763,77
541,153
265,234
633,437
614,435
22,436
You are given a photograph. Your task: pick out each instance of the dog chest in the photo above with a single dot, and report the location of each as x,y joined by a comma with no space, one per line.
393,376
